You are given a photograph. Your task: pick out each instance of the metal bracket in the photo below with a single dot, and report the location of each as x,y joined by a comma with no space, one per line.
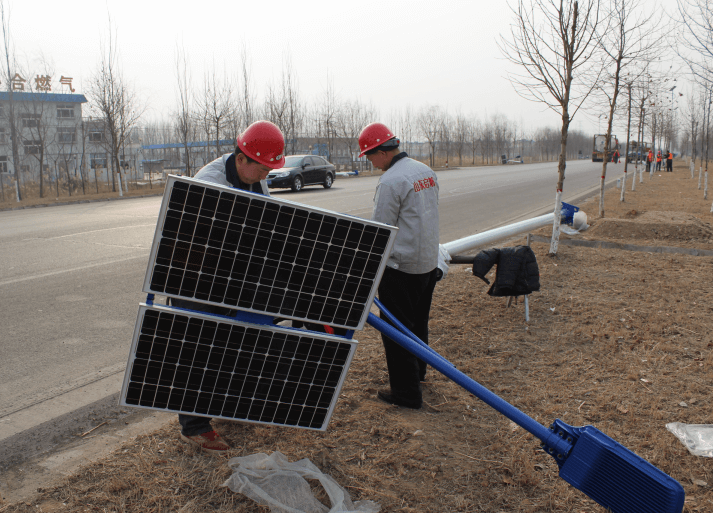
566,432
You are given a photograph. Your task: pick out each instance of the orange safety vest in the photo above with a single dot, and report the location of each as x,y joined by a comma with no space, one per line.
669,156
658,158
650,157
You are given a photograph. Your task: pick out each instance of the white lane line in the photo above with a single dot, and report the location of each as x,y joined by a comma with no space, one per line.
91,231
53,273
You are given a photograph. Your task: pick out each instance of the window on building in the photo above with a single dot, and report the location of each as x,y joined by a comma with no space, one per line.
66,134
30,120
97,160
65,111
32,147
96,136
3,164
3,136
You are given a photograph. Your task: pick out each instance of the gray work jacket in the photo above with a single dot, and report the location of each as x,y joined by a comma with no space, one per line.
214,172
407,197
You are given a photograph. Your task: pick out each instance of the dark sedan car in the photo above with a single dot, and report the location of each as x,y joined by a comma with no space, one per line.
301,170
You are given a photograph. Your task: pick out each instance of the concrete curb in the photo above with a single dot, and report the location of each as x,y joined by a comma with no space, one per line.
60,203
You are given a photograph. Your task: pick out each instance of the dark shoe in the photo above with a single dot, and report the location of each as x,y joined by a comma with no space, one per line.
389,398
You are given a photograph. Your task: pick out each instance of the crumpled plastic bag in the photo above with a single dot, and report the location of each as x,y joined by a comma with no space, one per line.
275,482
579,224
698,438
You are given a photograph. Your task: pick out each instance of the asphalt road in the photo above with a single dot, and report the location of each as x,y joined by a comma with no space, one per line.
71,276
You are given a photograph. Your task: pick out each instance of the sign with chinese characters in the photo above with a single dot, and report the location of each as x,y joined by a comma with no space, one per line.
18,83
67,81
43,83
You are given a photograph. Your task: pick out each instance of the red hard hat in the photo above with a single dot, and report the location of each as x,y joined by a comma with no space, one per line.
263,142
374,135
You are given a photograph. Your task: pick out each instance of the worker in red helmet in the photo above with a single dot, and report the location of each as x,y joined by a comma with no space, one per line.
258,150
406,197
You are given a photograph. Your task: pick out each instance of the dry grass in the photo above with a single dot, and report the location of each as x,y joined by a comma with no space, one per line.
605,321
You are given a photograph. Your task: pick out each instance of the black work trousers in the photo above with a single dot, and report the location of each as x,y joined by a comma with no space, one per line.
192,425
408,298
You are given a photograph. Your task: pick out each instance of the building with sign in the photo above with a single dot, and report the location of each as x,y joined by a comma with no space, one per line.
48,128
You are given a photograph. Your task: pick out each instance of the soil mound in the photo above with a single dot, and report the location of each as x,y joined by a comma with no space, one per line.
674,226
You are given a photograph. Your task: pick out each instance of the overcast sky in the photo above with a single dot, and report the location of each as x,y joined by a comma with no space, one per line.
389,53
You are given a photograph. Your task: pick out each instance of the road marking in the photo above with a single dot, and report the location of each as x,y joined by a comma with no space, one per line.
91,231
53,273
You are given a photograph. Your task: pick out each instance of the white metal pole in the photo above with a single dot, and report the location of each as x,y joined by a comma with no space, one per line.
465,244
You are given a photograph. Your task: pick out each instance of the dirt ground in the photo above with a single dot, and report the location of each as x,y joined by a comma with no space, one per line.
617,339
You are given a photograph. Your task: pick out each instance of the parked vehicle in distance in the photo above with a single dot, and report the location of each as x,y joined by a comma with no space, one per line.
598,147
302,170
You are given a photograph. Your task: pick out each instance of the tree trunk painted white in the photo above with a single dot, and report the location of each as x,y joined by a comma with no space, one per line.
17,190
126,184
121,192
633,179
700,174
641,175
693,171
623,187
705,187
556,224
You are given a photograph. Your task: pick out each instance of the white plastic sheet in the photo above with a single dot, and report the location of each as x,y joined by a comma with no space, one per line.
698,438
275,482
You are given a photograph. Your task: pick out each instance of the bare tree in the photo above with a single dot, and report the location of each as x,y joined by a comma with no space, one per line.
248,98
183,117
352,118
11,70
115,101
627,42
429,122
695,37
460,135
552,43
217,107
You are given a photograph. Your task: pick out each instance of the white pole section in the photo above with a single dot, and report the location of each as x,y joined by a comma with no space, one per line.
465,244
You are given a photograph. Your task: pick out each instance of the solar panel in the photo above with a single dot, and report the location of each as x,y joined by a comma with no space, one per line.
232,248
199,364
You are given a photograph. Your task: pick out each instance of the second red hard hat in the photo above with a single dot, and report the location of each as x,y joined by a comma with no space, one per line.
374,135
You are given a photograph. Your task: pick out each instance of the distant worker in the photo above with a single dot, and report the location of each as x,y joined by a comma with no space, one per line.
669,162
658,161
649,160
259,150
615,159
406,197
